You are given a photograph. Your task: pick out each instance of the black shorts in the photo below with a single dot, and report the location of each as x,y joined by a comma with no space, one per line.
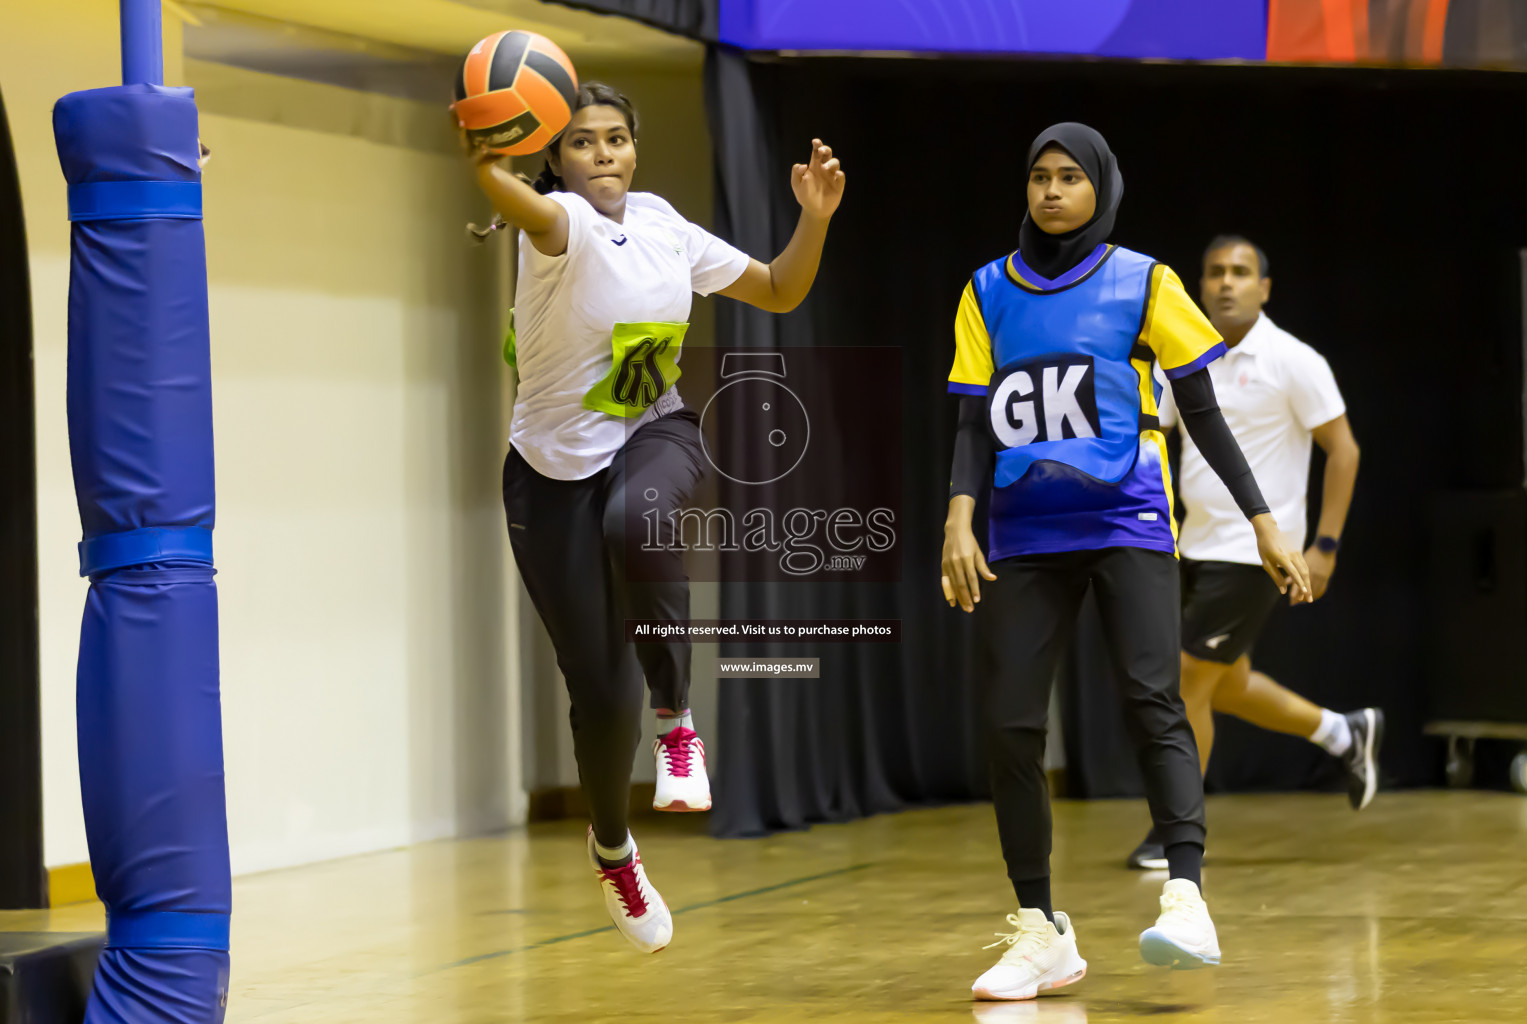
1224,607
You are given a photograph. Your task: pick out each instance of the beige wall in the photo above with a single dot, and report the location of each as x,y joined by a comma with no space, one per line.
359,433
368,681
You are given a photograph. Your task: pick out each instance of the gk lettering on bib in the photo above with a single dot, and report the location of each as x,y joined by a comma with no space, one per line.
645,364
1047,399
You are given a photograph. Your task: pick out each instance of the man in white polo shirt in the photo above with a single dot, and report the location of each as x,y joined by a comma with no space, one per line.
1277,395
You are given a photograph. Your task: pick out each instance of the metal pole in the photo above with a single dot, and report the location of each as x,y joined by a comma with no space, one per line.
142,43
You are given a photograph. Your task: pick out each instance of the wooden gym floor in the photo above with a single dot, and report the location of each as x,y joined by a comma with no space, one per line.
1414,910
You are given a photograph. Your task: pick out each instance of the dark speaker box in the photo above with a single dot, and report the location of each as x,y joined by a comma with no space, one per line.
1477,649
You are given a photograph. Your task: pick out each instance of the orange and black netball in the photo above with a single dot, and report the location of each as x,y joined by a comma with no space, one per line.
515,92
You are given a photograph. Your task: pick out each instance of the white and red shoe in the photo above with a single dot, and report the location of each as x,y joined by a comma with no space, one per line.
1040,957
682,784
634,905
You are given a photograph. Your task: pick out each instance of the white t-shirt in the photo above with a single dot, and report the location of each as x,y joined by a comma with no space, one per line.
1274,391
565,311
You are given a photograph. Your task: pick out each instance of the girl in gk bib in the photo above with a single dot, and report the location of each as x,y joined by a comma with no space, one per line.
1055,351
600,434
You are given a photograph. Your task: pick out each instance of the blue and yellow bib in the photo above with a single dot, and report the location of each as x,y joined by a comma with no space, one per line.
1065,367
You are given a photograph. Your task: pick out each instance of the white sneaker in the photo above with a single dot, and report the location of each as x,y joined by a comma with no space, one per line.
634,905
682,784
1041,956
1183,937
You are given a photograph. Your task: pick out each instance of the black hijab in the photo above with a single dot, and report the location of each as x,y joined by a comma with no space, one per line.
1053,255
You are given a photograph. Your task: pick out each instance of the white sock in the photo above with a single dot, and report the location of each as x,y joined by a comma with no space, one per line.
667,723
1334,734
615,855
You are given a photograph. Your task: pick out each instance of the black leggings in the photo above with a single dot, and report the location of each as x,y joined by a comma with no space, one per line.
570,544
1026,619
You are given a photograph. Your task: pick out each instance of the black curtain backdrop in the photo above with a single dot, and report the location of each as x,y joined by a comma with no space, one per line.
23,879
1393,237
887,725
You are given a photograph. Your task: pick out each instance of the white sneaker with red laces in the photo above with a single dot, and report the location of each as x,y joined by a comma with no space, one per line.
682,784
634,905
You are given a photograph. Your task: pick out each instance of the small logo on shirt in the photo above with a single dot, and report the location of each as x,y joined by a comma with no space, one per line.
1148,517
1213,644
619,241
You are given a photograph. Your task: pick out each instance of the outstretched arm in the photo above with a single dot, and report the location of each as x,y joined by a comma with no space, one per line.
543,220
780,286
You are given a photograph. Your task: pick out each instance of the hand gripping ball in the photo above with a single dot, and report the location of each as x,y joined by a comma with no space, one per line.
515,92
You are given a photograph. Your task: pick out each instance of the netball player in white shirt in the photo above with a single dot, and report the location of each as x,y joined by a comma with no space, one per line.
599,435
1278,396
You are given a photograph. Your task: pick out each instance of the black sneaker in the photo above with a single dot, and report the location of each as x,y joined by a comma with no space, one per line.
1362,758
1149,855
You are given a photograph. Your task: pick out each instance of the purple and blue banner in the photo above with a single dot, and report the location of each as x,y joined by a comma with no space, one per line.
1141,29
1451,33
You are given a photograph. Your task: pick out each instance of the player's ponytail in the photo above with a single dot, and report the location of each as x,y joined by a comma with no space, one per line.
547,181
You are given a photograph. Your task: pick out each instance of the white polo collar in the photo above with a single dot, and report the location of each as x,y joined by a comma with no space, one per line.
1255,338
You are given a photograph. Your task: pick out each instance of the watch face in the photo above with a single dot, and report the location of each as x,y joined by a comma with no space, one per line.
1327,544
774,425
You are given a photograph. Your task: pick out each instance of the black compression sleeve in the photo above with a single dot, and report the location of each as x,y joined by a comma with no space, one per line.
1201,417
975,455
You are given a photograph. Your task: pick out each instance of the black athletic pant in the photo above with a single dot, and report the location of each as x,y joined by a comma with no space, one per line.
1026,619
570,541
